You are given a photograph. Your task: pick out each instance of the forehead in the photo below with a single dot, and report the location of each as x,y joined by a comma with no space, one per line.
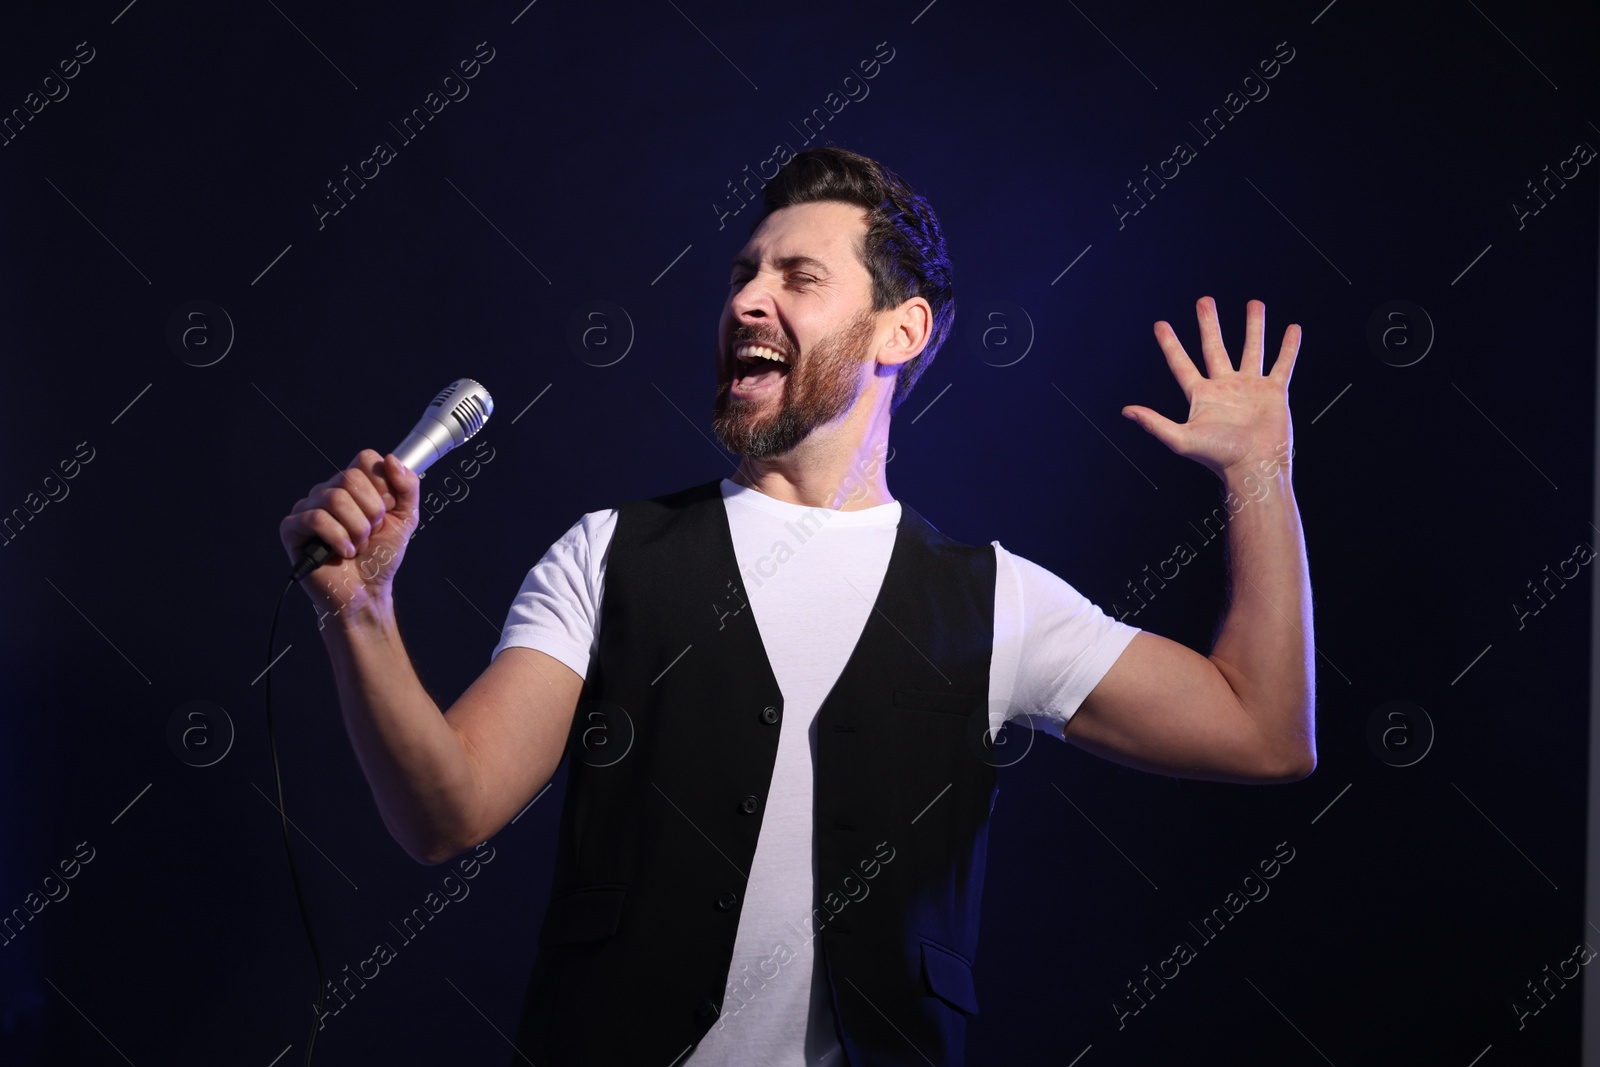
827,231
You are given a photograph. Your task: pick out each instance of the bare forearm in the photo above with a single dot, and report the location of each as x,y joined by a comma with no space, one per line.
414,762
1265,647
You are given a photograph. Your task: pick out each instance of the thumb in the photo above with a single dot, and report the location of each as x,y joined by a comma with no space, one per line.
1156,425
406,485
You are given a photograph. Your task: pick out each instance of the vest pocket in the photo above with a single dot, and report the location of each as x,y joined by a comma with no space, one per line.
953,703
949,977
590,914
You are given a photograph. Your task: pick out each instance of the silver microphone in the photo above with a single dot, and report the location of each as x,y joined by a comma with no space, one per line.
458,412
449,420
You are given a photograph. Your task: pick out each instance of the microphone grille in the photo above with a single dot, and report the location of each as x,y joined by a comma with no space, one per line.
466,404
469,414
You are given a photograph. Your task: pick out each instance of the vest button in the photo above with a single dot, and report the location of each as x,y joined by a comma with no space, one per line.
705,1011
749,805
769,715
726,901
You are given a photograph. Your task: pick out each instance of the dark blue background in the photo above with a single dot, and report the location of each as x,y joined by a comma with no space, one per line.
597,141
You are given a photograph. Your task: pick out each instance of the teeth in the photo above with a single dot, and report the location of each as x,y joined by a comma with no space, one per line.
751,351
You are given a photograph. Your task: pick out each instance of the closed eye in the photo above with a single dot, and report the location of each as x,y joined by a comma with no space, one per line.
794,279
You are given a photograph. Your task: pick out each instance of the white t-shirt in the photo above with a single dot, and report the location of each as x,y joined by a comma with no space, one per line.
812,575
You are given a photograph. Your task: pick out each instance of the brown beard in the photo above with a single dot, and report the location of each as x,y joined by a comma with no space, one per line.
821,386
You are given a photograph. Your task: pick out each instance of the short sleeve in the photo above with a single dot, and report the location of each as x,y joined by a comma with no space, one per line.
1061,642
557,610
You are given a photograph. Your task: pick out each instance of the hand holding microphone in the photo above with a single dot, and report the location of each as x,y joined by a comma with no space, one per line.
365,514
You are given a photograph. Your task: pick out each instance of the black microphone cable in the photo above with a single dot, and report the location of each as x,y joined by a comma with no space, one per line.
455,415
294,874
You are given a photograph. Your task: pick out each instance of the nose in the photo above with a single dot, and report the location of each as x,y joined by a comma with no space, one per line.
751,301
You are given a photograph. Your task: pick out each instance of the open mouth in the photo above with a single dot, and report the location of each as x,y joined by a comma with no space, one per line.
757,367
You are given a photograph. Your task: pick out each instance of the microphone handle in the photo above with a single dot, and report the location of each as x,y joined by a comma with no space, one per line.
313,554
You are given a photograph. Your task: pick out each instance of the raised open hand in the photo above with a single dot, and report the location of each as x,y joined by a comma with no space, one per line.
1235,416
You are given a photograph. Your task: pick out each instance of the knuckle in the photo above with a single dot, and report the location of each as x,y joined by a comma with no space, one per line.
327,527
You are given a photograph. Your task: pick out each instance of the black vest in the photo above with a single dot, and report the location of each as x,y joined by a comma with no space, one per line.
670,758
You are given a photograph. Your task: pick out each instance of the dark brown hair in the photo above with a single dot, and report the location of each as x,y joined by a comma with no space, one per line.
903,250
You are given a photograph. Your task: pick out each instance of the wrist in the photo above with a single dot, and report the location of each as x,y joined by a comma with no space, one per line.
1270,466
359,619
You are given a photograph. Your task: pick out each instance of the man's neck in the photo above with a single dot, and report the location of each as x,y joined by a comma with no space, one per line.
833,474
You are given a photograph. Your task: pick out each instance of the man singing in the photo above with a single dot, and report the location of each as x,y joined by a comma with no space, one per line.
780,691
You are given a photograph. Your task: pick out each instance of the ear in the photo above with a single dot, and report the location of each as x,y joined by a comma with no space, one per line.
912,323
